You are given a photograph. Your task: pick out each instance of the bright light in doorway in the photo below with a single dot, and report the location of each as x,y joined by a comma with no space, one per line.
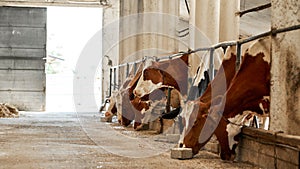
68,31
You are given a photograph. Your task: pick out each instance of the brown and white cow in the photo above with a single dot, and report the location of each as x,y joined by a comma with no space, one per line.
158,76
129,106
223,114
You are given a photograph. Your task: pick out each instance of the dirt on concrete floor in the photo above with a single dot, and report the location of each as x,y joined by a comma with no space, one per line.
72,140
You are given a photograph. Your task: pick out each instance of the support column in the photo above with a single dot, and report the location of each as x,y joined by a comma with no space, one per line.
128,30
194,59
204,28
285,69
148,40
229,21
110,38
207,20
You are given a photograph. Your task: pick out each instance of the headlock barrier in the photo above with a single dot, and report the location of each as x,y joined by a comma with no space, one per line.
113,70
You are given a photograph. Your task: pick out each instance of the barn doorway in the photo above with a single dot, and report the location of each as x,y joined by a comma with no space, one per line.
68,31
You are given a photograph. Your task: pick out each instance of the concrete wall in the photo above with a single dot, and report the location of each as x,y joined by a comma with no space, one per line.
268,149
285,70
22,49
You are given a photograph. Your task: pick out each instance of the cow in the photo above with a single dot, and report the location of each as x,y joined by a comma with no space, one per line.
129,107
159,76
220,108
119,103
174,73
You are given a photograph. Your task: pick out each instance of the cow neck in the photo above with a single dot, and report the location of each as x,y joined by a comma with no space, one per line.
261,90
230,122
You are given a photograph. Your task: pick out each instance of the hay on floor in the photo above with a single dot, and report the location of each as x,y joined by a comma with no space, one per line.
7,110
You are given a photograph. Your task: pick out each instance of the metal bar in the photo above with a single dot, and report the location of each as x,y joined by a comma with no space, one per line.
290,28
184,35
257,8
110,81
242,41
271,32
187,7
115,78
168,109
130,63
238,56
54,57
225,44
183,30
127,70
211,64
134,67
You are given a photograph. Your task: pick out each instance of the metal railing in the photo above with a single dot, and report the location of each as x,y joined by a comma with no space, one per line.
211,49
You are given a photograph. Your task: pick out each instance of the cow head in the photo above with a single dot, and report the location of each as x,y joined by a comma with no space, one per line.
199,124
163,74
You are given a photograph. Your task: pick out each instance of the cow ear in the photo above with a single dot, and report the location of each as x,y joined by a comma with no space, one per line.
185,58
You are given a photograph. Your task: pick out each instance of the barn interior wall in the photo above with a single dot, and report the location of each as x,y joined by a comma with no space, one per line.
285,70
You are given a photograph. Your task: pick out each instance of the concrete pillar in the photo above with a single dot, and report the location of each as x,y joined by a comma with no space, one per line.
229,21
170,22
204,28
285,69
194,60
110,38
129,22
148,40
207,20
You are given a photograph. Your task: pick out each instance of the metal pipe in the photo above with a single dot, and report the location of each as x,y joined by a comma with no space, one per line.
187,7
115,78
134,67
225,44
238,56
257,8
211,64
110,81
183,30
127,70
168,109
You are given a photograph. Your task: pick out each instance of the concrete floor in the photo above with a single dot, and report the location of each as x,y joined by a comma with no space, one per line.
72,140
62,138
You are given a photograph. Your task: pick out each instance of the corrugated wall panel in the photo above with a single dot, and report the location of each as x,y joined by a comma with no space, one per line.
22,49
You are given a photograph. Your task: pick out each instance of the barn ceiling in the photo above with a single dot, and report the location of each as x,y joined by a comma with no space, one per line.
75,3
